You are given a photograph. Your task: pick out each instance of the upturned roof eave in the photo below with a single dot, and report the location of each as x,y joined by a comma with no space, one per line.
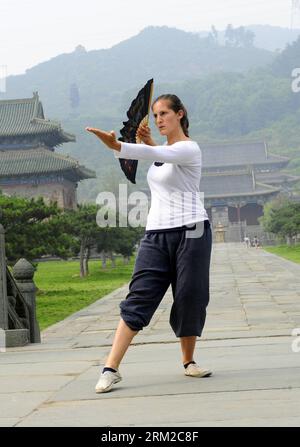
250,193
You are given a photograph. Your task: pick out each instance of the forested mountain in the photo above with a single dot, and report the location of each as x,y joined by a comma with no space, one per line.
230,92
287,60
102,77
272,38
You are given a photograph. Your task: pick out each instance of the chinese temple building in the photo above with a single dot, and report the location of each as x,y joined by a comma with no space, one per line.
237,180
29,165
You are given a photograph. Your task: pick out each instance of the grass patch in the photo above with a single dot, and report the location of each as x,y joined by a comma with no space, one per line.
61,291
292,253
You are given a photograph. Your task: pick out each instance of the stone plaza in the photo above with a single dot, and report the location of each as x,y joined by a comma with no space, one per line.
250,342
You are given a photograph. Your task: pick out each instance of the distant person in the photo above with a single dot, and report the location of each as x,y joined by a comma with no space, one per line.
247,241
255,242
165,255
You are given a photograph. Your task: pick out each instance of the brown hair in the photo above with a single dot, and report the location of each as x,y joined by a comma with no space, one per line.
176,105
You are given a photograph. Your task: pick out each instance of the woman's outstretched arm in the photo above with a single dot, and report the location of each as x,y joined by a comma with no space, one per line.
178,153
108,138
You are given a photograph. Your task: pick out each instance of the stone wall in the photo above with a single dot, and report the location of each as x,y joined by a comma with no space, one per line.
63,193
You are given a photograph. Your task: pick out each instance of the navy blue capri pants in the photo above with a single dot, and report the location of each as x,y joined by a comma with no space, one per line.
178,257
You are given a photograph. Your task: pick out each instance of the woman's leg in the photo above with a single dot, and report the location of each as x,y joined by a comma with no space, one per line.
122,339
190,286
149,283
188,348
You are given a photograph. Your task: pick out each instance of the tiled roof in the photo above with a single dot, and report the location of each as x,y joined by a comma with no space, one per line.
233,184
277,178
25,117
40,161
237,154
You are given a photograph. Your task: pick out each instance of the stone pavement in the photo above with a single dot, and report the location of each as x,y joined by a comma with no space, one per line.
247,342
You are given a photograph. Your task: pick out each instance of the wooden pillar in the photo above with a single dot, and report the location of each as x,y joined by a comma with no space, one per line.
239,220
3,286
238,212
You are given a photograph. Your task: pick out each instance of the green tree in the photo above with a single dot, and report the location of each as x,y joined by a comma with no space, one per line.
30,229
282,217
118,239
81,225
238,37
128,238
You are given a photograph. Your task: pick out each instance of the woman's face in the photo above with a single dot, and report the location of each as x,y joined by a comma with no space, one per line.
166,120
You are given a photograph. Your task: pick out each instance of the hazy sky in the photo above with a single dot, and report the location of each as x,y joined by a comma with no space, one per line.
32,31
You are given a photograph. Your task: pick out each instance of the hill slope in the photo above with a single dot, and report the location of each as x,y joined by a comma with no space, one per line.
102,76
230,93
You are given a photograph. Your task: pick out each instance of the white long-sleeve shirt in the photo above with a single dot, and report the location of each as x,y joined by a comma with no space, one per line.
174,186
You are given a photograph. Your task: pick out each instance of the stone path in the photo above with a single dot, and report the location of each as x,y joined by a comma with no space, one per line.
255,305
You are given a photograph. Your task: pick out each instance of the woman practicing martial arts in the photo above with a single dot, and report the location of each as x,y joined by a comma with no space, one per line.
176,246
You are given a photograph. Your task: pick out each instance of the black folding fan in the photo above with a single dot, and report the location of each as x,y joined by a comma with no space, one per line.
137,114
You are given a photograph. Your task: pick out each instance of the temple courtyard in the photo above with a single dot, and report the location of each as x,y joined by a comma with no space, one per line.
251,342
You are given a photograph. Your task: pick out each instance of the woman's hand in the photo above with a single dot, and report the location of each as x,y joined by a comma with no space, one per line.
108,138
144,134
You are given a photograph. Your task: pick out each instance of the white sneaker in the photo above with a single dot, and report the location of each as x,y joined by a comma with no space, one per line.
107,380
194,370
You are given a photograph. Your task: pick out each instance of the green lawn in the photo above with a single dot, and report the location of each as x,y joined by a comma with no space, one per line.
292,253
62,292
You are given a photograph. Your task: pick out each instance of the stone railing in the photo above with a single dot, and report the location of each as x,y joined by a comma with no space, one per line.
18,320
